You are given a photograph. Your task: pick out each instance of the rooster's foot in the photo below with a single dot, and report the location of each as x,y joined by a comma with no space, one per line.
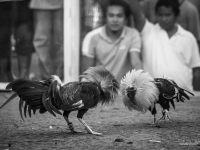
154,123
71,127
165,115
73,131
169,119
94,133
89,130
162,118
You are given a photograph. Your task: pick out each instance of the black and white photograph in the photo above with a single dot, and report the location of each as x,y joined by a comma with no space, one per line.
99,74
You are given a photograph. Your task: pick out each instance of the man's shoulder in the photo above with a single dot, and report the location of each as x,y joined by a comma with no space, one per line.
94,32
186,34
130,31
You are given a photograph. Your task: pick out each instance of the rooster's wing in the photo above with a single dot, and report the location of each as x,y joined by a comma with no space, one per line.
79,95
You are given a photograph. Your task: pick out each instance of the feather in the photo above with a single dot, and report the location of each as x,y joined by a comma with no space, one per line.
53,108
49,109
182,93
9,99
29,111
37,107
68,91
32,98
102,77
35,102
146,91
44,101
20,108
25,108
30,92
74,106
172,102
180,90
34,111
24,82
29,85
54,88
42,110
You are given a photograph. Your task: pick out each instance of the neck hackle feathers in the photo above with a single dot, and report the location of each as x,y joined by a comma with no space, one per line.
146,92
105,80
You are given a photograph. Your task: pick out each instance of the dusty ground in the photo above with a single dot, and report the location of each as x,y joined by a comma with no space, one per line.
132,129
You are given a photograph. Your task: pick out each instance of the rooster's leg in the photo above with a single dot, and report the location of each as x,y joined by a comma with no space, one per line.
80,118
70,125
153,112
154,119
165,115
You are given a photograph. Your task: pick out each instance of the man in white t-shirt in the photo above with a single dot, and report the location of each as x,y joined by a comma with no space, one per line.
168,49
114,45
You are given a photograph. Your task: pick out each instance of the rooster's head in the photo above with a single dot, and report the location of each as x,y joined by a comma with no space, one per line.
138,90
131,91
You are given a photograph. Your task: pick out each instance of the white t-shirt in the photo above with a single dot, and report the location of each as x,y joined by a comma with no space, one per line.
173,57
114,56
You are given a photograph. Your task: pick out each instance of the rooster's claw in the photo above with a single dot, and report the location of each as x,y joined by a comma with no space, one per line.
73,132
94,133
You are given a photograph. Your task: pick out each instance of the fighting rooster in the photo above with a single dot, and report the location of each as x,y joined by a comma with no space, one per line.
99,86
141,92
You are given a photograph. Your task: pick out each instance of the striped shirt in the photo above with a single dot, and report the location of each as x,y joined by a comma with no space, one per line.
112,55
46,4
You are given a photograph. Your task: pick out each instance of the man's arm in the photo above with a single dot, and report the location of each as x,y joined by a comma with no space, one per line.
195,64
193,22
88,54
86,63
196,78
135,60
138,15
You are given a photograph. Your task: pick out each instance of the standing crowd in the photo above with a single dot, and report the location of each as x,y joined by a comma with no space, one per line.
163,43
163,40
31,26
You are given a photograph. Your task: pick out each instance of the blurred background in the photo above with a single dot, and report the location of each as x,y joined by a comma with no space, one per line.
79,17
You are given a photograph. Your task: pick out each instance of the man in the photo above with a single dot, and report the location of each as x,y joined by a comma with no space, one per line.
115,46
48,36
23,34
188,17
6,25
168,49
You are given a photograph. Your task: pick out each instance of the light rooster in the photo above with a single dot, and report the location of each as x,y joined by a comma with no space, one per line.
141,92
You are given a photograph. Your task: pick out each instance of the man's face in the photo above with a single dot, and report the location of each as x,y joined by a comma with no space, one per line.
166,17
115,18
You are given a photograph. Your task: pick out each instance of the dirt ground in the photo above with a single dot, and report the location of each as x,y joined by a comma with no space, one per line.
121,129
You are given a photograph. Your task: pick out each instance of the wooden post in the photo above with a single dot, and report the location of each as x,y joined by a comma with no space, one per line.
71,40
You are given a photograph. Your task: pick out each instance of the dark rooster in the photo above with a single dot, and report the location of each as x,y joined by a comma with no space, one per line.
99,86
141,92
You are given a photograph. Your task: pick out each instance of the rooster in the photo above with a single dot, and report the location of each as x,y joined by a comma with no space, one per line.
99,86
141,92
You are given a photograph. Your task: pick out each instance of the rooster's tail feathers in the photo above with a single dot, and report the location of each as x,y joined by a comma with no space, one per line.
105,80
181,93
33,95
146,91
